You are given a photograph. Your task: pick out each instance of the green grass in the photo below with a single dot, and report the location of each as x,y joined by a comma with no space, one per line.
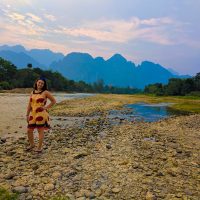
181,103
6,195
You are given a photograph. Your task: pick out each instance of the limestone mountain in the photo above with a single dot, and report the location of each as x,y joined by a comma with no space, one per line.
19,56
115,71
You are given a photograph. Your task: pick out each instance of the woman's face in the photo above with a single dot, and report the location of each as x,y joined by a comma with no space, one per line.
40,84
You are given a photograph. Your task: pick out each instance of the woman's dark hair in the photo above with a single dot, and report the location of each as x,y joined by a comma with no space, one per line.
45,87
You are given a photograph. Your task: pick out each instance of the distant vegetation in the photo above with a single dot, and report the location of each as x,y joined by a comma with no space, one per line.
176,87
11,77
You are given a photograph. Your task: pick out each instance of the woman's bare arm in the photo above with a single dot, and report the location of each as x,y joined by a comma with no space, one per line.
29,107
51,98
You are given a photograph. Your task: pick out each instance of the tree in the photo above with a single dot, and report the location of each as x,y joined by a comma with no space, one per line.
7,70
174,86
99,85
187,86
197,82
156,89
4,85
29,65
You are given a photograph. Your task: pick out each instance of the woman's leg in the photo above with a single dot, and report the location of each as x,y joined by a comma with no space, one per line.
41,138
30,137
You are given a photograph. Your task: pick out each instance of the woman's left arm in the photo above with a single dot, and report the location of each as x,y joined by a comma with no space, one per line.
51,98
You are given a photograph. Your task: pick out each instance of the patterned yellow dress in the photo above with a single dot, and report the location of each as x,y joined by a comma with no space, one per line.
38,118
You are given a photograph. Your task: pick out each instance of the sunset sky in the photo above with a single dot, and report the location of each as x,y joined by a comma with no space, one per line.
162,31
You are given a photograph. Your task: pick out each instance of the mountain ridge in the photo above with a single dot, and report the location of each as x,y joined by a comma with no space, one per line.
116,70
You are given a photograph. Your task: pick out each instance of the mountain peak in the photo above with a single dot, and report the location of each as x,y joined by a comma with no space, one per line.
99,59
117,58
15,48
79,55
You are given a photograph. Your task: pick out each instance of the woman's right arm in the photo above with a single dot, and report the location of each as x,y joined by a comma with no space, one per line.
28,109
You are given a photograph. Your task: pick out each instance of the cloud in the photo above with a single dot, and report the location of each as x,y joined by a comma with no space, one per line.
121,31
157,21
24,25
50,17
16,3
162,31
14,35
34,17
16,16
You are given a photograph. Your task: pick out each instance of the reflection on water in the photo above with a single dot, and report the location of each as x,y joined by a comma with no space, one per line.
144,112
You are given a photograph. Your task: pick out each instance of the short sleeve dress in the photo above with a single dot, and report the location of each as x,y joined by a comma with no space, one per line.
38,118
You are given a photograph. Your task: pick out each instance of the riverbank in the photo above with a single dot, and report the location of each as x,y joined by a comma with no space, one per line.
102,103
94,159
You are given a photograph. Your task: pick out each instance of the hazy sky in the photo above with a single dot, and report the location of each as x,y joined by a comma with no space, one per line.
162,31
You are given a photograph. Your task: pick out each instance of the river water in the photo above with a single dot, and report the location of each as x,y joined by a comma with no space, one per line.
144,112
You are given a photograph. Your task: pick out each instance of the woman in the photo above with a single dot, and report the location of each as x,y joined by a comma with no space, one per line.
37,112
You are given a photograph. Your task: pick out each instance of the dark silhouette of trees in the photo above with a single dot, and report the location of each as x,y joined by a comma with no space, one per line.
156,89
176,86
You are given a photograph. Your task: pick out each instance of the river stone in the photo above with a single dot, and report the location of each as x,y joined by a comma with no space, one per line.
116,190
10,175
20,189
70,196
81,155
81,198
49,187
86,193
149,196
29,197
56,175
3,140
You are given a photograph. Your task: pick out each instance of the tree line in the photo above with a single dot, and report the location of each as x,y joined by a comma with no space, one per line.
176,87
11,77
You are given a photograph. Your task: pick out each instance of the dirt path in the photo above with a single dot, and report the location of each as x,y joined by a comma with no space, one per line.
12,114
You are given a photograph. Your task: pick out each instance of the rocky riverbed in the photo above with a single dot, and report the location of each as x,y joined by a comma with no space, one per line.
88,156
97,160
